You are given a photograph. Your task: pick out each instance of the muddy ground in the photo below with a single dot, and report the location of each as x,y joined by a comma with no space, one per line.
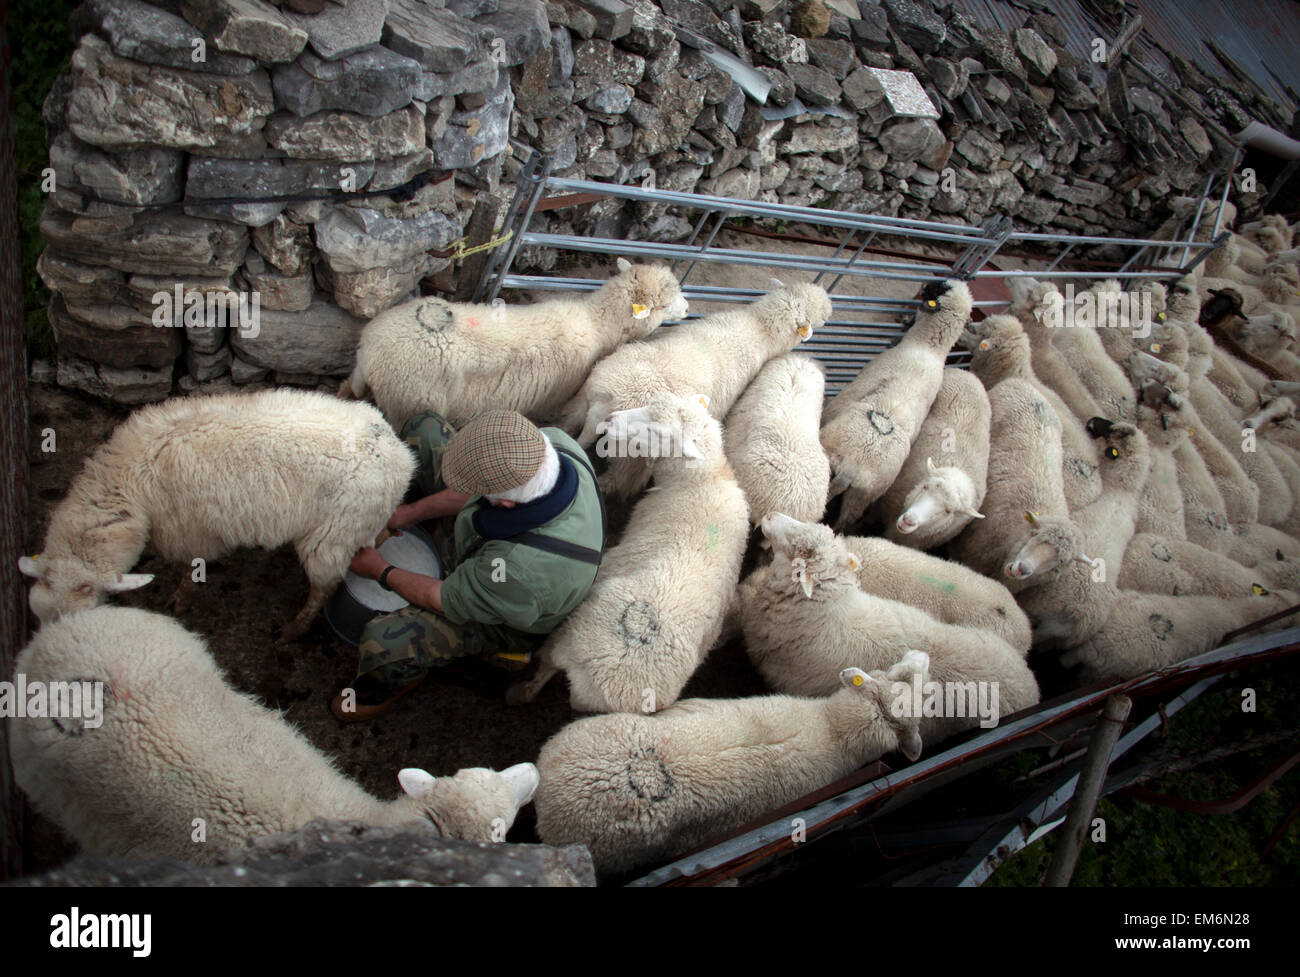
459,717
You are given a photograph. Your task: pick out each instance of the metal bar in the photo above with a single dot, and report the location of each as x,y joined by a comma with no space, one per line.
534,174
695,233
722,219
1227,185
856,255
1057,260
1196,221
512,216
1084,803
839,249
1132,259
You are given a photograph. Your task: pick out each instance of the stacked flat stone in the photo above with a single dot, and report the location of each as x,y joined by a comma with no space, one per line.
210,173
230,148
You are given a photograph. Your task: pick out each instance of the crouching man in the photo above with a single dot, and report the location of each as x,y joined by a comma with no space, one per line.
527,538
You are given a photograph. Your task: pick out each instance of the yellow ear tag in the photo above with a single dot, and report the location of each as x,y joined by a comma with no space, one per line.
1031,517
639,311
857,679
1191,431
854,563
704,402
932,303
984,344
1160,317
804,332
1257,590
1154,347
1113,452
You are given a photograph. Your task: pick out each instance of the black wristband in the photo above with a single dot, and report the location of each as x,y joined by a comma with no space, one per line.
383,577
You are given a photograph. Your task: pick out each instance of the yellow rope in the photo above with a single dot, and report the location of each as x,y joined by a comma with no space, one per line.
461,251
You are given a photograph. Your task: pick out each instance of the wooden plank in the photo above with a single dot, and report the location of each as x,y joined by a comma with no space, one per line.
479,231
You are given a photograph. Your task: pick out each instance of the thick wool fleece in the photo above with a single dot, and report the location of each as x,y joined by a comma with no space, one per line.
659,600
805,615
948,464
772,440
716,356
868,428
461,359
643,789
177,743
200,476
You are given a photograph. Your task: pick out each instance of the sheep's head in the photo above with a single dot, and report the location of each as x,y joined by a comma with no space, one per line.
1281,282
476,804
1125,454
1277,388
945,494
1051,542
1001,345
948,297
653,295
1159,299
68,584
1265,335
1271,412
672,430
1224,303
1182,300
794,312
809,552
889,694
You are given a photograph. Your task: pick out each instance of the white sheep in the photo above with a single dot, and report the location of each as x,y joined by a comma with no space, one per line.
1075,600
940,487
643,789
461,359
1025,463
772,439
1000,348
178,764
805,612
869,427
1036,304
716,356
1083,351
1160,565
946,590
1151,631
200,476
659,600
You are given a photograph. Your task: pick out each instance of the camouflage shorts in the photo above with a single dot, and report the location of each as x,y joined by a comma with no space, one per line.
398,648
428,434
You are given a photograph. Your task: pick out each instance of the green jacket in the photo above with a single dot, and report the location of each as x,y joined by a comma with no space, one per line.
521,586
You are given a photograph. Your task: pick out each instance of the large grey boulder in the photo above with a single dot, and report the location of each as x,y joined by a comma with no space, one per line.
516,31
346,135
354,239
474,135
372,82
338,31
163,242
320,340
139,176
438,39
246,27
116,103
142,32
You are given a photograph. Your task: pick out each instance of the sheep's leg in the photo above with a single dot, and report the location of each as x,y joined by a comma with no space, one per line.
384,535
522,693
181,596
296,628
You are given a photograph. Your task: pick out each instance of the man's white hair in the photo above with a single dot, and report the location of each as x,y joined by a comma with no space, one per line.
537,486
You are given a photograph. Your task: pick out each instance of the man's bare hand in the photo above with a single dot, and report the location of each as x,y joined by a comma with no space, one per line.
400,519
368,563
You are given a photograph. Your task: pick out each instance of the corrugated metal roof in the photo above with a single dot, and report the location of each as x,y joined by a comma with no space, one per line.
1262,36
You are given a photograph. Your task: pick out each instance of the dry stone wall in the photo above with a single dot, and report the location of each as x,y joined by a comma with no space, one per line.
238,186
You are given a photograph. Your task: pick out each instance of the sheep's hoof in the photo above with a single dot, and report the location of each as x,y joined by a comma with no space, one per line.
291,632
520,694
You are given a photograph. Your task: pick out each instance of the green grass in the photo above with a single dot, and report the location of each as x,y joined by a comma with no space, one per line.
1150,845
40,44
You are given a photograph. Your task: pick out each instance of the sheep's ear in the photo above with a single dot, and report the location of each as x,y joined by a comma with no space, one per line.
854,563
623,264
30,565
776,282
929,463
129,581
690,449
806,584
415,782
1031,517
972,512
1085,558
523,780
910,743
855,678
